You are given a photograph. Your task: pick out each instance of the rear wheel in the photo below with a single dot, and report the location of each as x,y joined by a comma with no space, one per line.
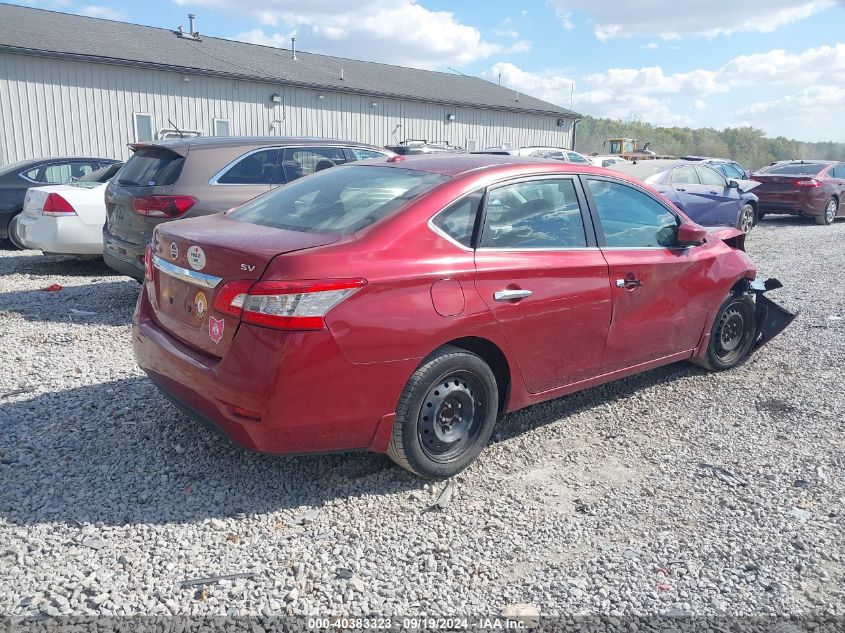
446,414
746,218
829,213
11,232
732,335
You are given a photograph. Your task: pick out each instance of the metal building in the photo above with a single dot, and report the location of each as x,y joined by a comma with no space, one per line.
77,85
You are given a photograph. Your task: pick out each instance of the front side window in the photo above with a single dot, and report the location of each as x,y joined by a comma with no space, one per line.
710,177
338,201
256,168
301,161
729,171
458,219
534,214
685,176
630,218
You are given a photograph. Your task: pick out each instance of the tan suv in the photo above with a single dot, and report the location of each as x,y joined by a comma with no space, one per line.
182,178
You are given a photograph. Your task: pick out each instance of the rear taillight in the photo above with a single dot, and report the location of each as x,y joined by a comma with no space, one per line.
56,205
809,182
148,262
287,305
162,206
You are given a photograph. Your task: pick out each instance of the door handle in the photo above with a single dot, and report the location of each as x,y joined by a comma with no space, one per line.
511,295
714,192
629,282
679,189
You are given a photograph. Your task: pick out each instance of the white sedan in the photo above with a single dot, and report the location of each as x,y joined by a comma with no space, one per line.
66,219
608,161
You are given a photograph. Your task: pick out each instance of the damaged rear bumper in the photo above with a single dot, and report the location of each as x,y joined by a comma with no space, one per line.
772,319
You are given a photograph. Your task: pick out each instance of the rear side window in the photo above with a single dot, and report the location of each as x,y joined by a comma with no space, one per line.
458,219
151,167
302,161
794,169
256,168
338,201
838,171
534,214
630,218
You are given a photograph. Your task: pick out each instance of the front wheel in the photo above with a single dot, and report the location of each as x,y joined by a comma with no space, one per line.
446,414
829,213
746,218
732,334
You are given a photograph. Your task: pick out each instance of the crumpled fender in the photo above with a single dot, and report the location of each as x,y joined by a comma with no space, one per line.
772,319
730,235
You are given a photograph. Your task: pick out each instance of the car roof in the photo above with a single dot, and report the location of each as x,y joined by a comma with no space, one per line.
232,141
454,165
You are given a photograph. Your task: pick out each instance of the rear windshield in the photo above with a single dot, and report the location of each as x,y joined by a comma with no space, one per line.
151,167
340,200
795,169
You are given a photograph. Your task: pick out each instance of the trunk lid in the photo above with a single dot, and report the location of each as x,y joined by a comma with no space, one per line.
151,171
194,258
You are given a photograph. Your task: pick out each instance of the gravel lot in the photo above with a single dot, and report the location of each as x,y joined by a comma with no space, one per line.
597,503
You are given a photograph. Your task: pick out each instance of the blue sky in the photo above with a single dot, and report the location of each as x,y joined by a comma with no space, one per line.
776,64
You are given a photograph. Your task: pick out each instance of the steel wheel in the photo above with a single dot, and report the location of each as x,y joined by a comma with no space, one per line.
732,333
445,414
451,416
746,218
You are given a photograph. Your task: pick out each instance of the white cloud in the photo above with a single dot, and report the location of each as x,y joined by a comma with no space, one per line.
505,32
797,94
670,19
396,31
101,11
652,45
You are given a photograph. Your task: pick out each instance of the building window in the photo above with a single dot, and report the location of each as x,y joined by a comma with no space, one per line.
221,127
471,145
143,127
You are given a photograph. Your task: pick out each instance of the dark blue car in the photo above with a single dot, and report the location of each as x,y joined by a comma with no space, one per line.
705,195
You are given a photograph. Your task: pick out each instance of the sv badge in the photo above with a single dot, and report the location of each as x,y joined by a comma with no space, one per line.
247,267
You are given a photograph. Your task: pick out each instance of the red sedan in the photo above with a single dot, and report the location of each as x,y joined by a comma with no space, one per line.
402,306
809,188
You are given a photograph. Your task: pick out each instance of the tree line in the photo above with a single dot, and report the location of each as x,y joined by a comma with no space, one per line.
748,146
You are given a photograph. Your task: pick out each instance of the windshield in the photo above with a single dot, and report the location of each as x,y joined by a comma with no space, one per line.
151,167
339,201
794,169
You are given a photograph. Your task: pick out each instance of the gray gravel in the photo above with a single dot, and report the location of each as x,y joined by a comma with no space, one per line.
111,501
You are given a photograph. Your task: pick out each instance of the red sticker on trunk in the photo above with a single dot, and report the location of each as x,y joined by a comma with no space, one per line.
215,329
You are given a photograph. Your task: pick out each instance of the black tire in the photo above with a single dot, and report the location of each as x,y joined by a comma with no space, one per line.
760,216
732,334
445,415
829,213
746,222
10,233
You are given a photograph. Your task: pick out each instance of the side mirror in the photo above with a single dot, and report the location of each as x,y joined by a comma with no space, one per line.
733,184
690,234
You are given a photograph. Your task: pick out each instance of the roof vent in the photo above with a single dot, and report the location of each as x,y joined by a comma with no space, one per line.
191,34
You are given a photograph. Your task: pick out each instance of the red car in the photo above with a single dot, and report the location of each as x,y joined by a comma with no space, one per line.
401,306
810,188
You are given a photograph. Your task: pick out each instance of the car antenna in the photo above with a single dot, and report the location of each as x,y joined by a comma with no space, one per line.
181,135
